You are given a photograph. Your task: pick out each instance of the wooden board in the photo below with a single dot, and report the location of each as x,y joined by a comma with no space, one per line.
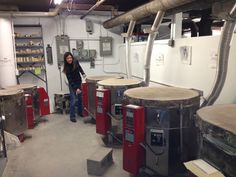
119,82
202,169
223,116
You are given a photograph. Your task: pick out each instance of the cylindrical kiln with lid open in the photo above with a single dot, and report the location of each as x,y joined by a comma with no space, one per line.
169,135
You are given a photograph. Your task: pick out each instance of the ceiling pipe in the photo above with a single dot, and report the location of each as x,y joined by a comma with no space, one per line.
224,49
151,38
145,10
99,2
32,14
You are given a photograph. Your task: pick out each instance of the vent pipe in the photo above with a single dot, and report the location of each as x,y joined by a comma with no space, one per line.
151,38
224,49
7,59
128,38
145,10
99,2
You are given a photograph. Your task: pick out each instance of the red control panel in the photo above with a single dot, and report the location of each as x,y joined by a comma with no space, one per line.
29,111
133,135
43,102
85,98
103,121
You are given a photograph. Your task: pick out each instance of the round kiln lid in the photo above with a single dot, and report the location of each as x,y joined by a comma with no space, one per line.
22,86
223,116
161,93
119,82
95,79
9,92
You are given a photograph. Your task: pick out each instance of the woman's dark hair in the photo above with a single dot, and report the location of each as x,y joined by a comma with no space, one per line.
66,65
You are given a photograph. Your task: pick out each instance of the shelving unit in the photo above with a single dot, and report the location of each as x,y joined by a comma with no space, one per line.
30,51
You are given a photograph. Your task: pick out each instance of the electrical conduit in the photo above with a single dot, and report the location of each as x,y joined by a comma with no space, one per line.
128,37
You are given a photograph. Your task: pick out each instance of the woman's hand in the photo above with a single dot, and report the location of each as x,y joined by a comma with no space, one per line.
78,91
84,76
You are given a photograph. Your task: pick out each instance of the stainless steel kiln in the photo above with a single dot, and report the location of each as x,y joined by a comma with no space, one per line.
92,85
218,137
171,135
13,107
32,90
117,88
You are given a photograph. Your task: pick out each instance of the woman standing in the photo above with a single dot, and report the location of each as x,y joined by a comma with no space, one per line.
72,70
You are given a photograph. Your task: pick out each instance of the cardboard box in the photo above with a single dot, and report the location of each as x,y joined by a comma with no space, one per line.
201,168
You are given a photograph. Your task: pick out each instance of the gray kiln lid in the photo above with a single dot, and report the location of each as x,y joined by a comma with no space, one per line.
223,116
4,93
161,93
21,86
95,79
119,82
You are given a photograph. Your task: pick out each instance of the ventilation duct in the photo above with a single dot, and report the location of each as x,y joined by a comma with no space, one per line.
226,37
145,10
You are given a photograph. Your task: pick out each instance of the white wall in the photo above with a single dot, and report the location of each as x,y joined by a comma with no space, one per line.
7,63
75,29
201,74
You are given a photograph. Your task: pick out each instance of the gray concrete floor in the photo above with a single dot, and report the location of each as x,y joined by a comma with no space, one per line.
59,148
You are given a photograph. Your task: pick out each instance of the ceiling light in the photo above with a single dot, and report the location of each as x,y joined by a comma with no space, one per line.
57,1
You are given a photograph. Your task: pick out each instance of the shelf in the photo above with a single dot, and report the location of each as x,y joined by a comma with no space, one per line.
23,26
29,54
85,60
28,38
30,70
32,62
29,47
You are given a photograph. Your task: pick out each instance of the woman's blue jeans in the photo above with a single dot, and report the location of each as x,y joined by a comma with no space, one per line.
75,99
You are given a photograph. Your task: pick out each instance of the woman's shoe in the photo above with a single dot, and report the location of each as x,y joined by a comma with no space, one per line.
73,120
81,115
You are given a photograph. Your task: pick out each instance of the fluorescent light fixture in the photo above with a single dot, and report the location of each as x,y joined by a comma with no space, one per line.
57,1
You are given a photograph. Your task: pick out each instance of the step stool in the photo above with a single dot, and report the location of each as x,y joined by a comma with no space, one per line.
99,161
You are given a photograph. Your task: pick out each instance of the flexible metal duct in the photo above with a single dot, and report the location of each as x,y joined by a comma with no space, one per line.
224,49
145,10
128,37
150,42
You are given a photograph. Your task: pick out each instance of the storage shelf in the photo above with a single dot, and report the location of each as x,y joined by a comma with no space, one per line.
29,25
28,38
29,54
30,51
29,47
30,70
32,62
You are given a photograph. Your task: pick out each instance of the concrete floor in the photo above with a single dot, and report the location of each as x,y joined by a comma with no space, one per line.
59,148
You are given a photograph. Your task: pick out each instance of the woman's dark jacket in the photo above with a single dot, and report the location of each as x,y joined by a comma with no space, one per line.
74,77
